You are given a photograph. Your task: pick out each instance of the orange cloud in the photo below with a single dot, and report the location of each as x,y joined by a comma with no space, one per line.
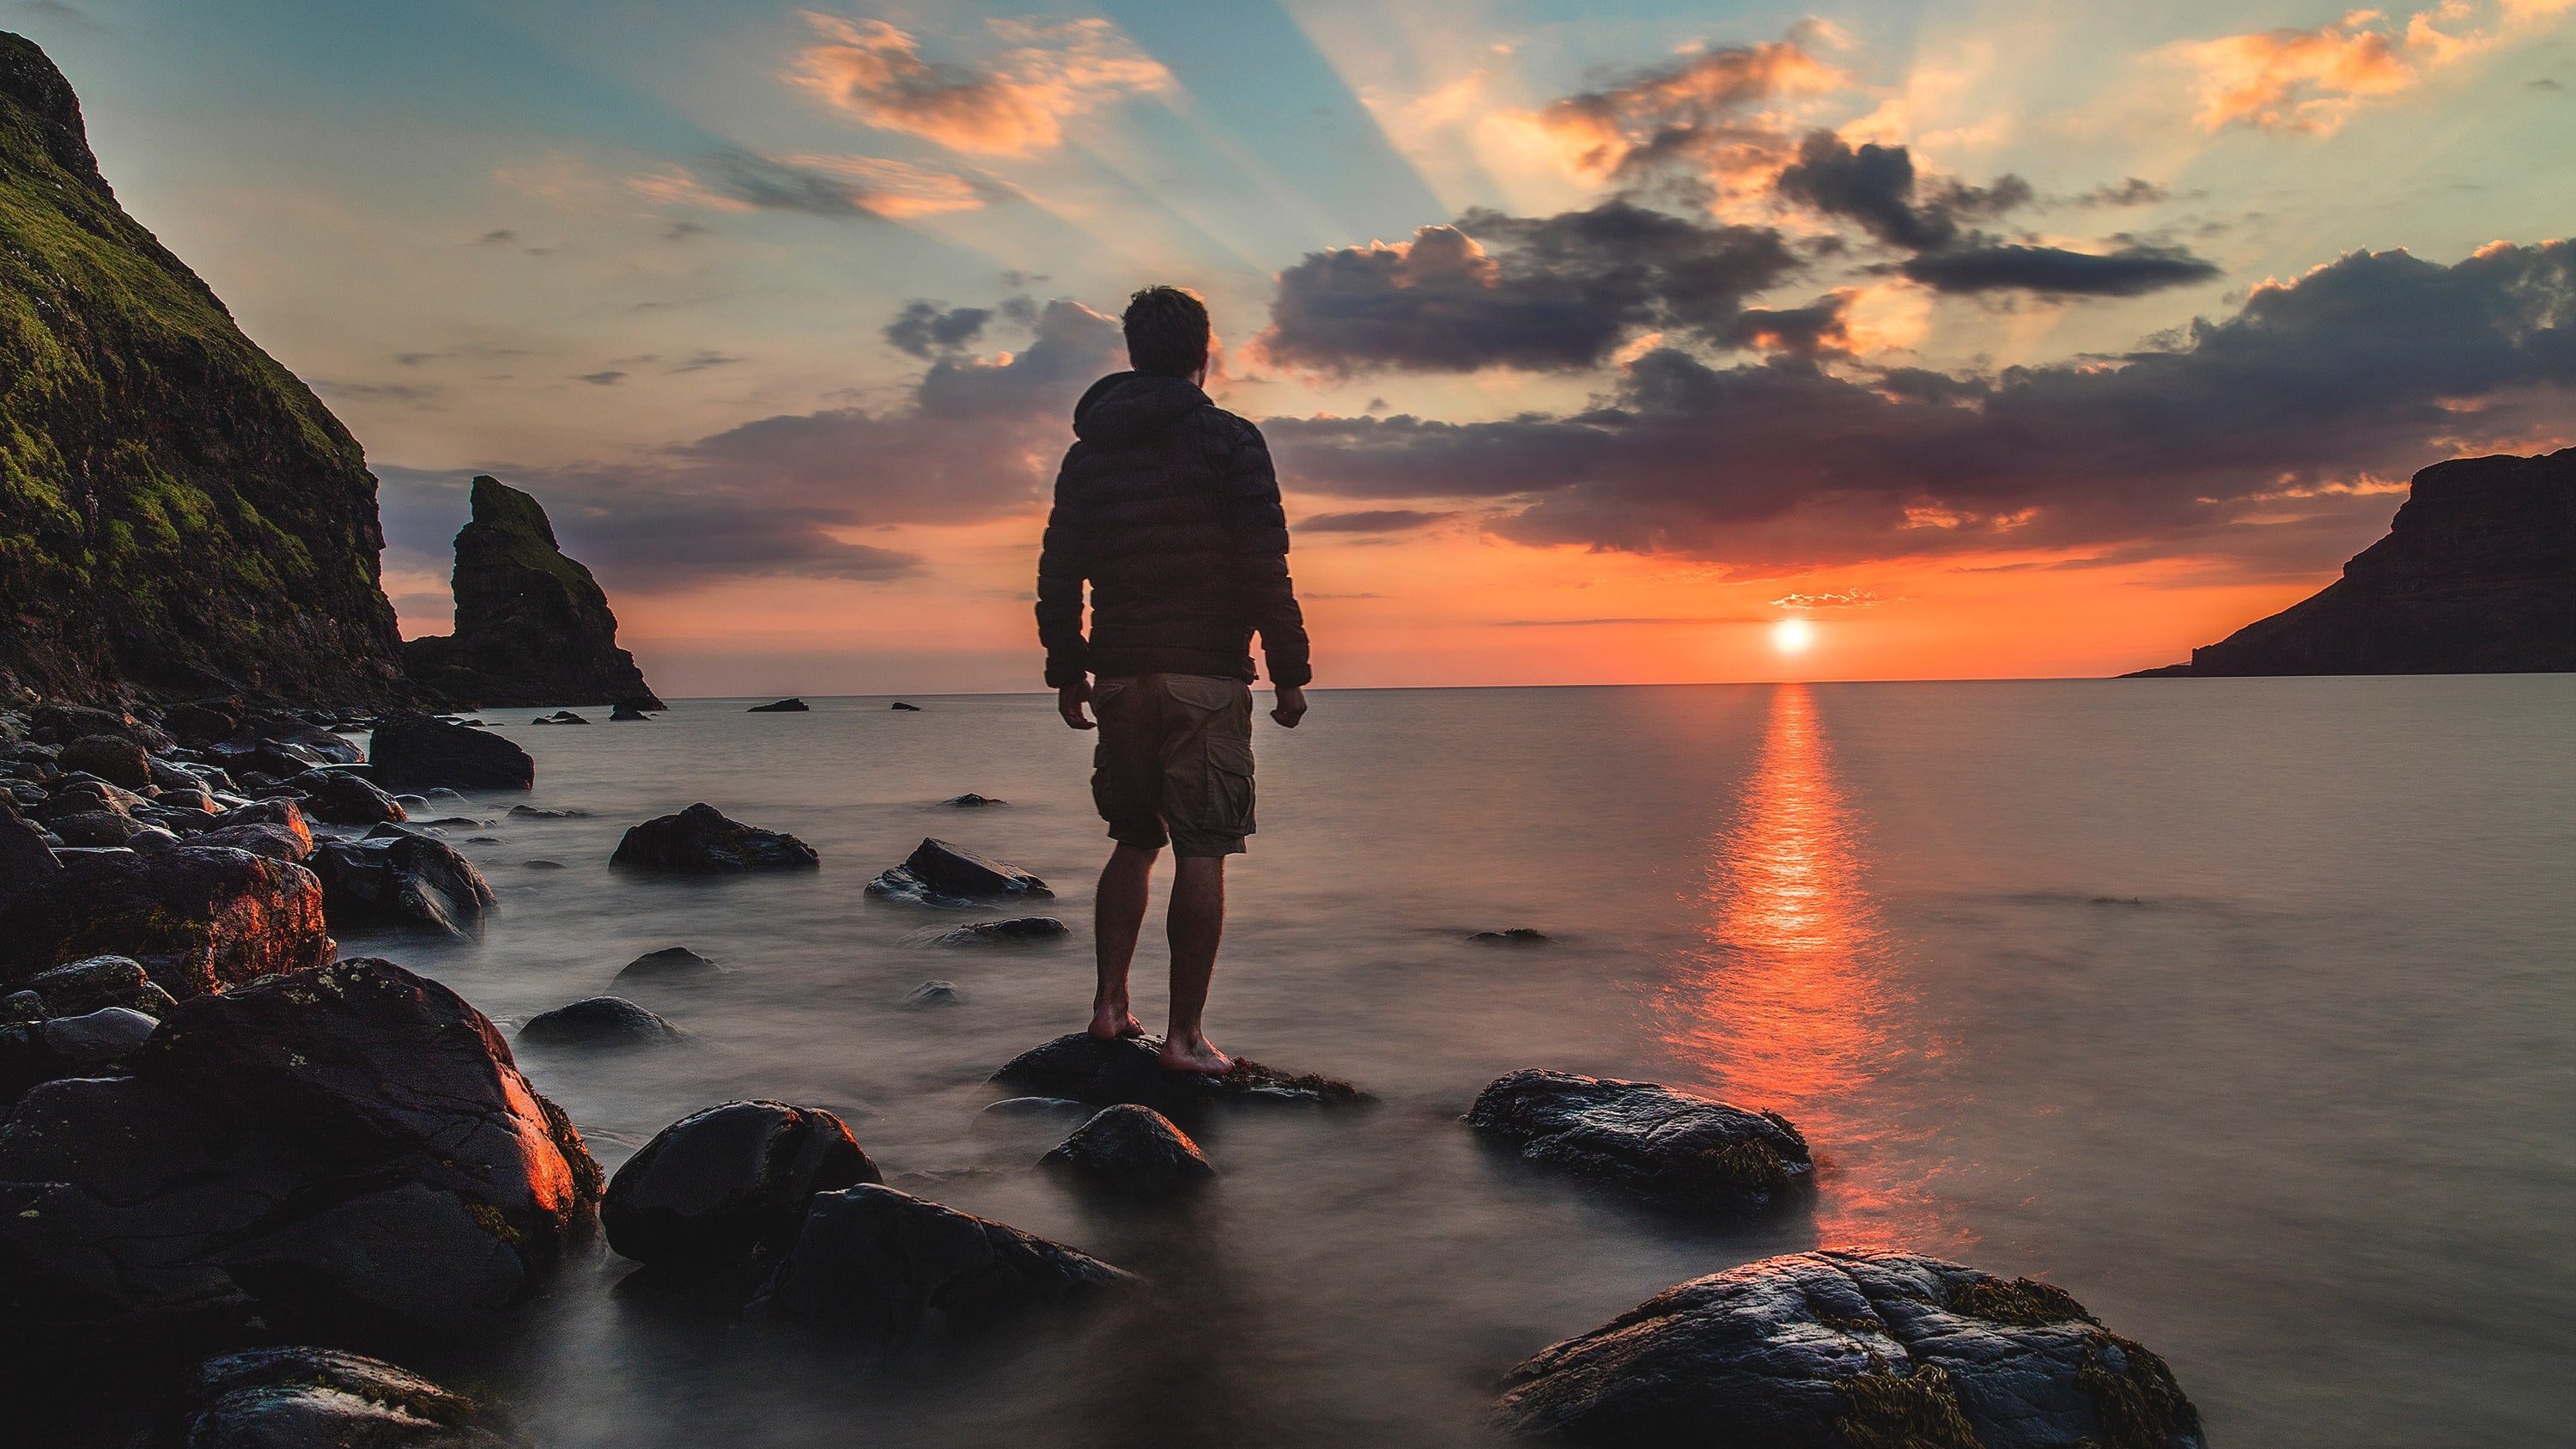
1050,72
1695,111
2310,80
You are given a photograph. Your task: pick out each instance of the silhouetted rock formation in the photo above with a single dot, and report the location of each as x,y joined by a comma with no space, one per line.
1669,1147
416,752
721,1183
1135,1149
2476,576
532,626
940,874
703,840
181,514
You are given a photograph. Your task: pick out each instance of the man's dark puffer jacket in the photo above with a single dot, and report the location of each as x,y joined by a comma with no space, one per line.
1167,505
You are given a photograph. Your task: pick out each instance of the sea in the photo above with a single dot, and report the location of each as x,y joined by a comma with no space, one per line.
2243,1010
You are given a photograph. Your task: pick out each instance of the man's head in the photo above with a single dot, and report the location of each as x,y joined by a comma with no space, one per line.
1167,332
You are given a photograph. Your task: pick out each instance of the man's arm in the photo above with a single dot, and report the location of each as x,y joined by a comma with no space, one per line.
1260,530
1062,569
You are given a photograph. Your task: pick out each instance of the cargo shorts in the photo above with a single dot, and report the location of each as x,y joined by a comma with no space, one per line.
1174,762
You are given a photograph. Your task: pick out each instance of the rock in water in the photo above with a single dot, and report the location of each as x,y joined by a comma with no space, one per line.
199,918
1081,1066
348,1145
304,1398
1131,1149
340,798
701,840
532,626
900,707
971,801
784,706
1669,1147
1838,1350
672,965
1021,928
2476,576
887,1265
181,512
933,993
627,714
597,1021
421,752
717,1184
397,879
940,874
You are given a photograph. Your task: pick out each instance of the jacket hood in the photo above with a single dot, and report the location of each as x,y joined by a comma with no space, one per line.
1126,408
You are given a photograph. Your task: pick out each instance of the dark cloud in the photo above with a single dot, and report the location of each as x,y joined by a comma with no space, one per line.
1373,520
1874,187
702,359
1690,114
500,238
2130,271
926,331
606,378
2134,191
2369,367
1549,293
836,187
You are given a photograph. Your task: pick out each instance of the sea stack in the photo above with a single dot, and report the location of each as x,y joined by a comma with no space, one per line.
532,626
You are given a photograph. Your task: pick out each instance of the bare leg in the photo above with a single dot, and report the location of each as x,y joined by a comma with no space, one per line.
1197,924
1117,916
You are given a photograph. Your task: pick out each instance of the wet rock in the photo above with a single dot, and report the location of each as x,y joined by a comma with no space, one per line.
1014,1114
286,815
115,758
1836,1350
607,1021
670,966
559,717
100,981
531,812
404,881
784,706
714,1186
95,1038
1022,928
971,801
886,1265
302,735
309,1398
25,860
348,1145
341,798
276,842
940,874
701,840
201,724
1131,1149
1672,1148
416,751
626,713
63,723
199,918
1516,936
933,993
1082,1066
96,827
902,707
541,865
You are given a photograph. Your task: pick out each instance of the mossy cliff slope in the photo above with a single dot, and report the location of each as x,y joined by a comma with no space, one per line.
532,626
177,512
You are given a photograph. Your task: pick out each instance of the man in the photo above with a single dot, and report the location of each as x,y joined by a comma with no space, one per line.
1167,506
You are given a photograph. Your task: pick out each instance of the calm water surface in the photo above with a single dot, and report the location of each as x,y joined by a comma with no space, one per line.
2241,1009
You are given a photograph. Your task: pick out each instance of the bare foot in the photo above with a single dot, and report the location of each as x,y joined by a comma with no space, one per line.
1109,1023
1195,1055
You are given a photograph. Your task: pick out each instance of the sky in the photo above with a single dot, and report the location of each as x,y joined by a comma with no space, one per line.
1593,341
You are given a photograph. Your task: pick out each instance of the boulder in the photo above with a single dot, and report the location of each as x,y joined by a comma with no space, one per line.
902,708
286,815
1515,936
350,1145
199,918
25,860
886,1265
340,798
115,758
670,966
1673,1148
404,881
309,1398
1841,1350
718,1184
940,874
531,812
784,706
624,714
607,1021
933,993
559,717
1131,1149
277,842
203,722
303,735
63,723
1020,928
971,801
1082,1066
416,752
96,827
701,840
95,1038
100,981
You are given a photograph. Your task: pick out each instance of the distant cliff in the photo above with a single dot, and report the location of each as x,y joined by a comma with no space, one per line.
2476,576
177,512
532,626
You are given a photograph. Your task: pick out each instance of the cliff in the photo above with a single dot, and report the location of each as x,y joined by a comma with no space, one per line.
532,626
178,514
2476,576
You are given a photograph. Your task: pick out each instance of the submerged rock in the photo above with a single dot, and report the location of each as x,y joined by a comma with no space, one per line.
598,1021
701,840
940,874
308,1398
199,918
971,801
1021,928
1131,1149
398,879
1012,1114
1516,936
1843,1350
887,1265
719,1183
418,751
1670,1147
784,706
626,714
1082,1066
933,993
348,1145
672,965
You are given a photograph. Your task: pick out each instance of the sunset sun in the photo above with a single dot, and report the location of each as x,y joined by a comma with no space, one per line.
1792,636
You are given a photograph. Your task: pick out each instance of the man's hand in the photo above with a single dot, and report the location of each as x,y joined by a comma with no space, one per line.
1291,706
1069,702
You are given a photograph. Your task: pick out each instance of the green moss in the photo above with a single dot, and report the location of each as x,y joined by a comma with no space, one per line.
2023,1302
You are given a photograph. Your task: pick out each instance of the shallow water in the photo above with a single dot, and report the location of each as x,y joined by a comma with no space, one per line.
2238,1008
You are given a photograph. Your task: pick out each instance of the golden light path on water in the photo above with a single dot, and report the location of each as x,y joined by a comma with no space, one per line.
1794,1003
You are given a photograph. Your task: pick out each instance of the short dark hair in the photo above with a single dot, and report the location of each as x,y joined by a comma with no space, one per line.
1167,331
